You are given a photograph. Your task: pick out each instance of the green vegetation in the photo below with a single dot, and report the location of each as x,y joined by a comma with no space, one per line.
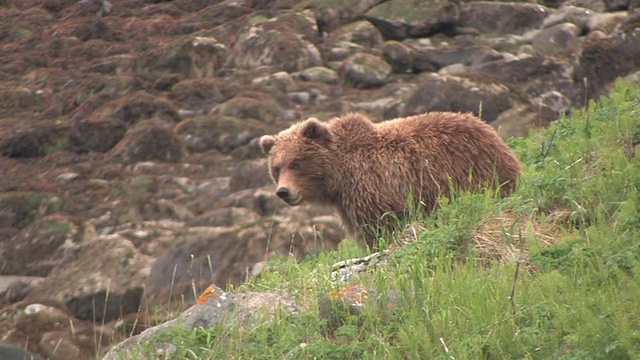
551,272
59,146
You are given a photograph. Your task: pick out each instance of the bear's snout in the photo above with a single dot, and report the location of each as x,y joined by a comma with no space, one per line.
288,196
283,193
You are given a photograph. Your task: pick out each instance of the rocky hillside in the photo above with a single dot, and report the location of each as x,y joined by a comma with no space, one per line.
130,176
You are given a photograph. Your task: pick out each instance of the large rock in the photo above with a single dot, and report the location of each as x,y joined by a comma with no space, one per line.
560,40
278,81
149,140
273,44
215,307
516,121
318,74
506,18
399,56
451,93
219,132
44,244
602,59
533,75
101,280
366,71
207,56
51,332
332,14
428,55
577,16
219,255
398,19
227,255
362,33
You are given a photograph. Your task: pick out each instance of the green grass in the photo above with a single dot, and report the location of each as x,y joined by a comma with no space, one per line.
573,234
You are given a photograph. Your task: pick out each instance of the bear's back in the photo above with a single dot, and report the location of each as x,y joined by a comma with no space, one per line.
452,147
436,124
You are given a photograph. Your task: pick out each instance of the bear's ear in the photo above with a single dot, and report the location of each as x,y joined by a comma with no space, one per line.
314,129
266,143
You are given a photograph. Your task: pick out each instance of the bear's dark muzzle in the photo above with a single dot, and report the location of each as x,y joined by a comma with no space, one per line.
288,196
283,193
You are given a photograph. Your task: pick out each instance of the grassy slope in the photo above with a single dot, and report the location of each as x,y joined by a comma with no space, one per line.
573,225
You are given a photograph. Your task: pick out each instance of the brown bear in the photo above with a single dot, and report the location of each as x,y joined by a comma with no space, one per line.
367,170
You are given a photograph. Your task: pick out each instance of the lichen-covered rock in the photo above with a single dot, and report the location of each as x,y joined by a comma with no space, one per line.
340,50
318,74
273,44
280,81
362,33
258,106
149,140
207,56
214,307
331,14
218,132
366,71
302,22
398,19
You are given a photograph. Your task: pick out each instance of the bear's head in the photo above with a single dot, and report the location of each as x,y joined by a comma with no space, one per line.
299,162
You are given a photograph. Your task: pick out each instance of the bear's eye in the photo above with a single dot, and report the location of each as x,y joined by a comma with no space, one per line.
295,165
276,171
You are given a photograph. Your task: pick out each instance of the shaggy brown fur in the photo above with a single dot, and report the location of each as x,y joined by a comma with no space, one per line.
367,170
